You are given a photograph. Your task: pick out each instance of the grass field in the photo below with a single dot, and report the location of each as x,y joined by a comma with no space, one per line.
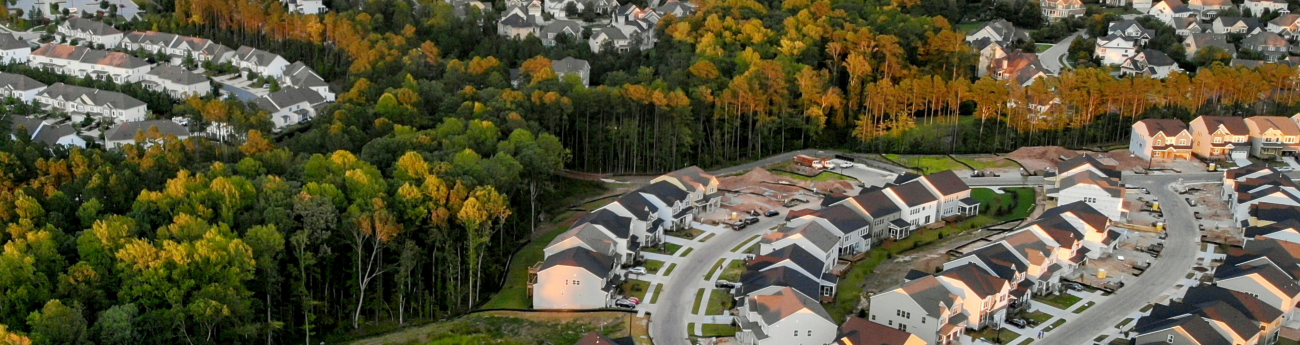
1000,163
707,237
1039,317
1085,307
1056,324
504,327
514,295
711,330
1062,301
850,286
733,271
635,288
668,248
653,266
659,289
968,26
669,270
928,164
1123,323
699,294
1027,341
1042,47
923,237
719,300
689,234
686,252
995,336
1005,206
716,265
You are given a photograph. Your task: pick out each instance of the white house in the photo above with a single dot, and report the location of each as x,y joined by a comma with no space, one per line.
290,106
1058,9
575,278
1130,29
557,28
108,105
616,39
786,317
519,22
575,67
1160,139
153,132
264,63
1287,25
13,50
19,86
1114,50
1207,9
815,235
90,31
1235,25
177,82
1086,179
299,75
1257,7
924,307
953,193
1167,10
38,130
177,46
305,6
1142,5
86,62
558,8
919,206
1089,225
1151,63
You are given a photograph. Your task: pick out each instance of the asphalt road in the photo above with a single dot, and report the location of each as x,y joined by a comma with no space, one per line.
1175,261
668,323
1051,58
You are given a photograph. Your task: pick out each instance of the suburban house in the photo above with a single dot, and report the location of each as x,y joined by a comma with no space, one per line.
1167,10
859,331
1058,9
786,317
1272,45
1265,214
19,86
1257,7
1114,49
1260,277
264,63
677,8
1251,193
1235,25
1243,173
919,206
1018,66
1220,137
883,214
299,75
177,46
1089,225
847,222
13,50
1086,179
612,36
519,22
1027,258
305,6
37,130
993,40
1142,6
952,192
1210,315
109,106
1271,136
290,106
1161,139
557,8
575,67
151,132
702,187
177,82
815,236
1206,9
1185,26
86,62
90,31
987,296
1287,25
556,28
924,307
1130,29
1151,63
575,278
791,259
1196,41
594,237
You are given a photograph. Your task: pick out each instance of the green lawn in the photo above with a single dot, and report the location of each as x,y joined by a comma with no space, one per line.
1038,317
668,248
1061,301
1099,338
967,27
514,295
733,271
1123,323
922,237
849,289
825,175
1285,341
716,265
659,289
1000,163
669,270
707,237
687,252
1042,47
1056,324
653,266
927,164
1013,203
1003,336
698,295
635,288
1085,307
714,330
689,234
1027,341
1147,308
719,300
753,249
742,243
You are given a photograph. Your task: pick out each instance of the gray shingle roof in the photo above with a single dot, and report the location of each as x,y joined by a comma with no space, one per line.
19,82
596,263
178,75
93,27
287,97
128,130
95,96
300,75
9,42
256,56
570,65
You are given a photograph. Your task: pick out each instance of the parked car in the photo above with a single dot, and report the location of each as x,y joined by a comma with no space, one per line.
739,226
753,213
1073,286
751,220
634,300
637,270
772,213
846,165
723,284
1018,323
624,303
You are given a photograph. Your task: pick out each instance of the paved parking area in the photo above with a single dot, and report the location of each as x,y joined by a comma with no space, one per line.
867,175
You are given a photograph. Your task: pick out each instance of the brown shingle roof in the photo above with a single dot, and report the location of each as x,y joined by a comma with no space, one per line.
1234,125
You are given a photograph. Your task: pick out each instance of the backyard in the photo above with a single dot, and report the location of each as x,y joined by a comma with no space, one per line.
1013,203
1061,301
1003,336
517,327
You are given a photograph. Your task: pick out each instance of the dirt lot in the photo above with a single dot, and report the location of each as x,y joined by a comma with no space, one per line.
762,190
891,272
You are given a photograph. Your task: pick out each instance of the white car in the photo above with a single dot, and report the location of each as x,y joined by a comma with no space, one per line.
846,165
637,270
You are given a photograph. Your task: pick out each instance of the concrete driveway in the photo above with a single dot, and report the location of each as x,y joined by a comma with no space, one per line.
1175,262
668,320
867,175
1051,58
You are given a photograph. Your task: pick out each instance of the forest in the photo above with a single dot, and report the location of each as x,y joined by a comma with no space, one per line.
403,202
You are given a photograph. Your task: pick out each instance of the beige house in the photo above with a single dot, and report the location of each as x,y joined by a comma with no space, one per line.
1271,136
1058,9
1161,139
1220,137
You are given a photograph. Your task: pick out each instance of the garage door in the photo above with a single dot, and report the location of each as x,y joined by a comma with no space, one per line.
1240,154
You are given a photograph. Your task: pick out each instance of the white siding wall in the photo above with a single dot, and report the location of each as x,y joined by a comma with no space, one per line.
566,287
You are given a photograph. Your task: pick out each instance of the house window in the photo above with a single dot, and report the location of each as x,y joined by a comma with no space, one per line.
1169,339
810,332
1218,140
873,317
796,332
1159,142
902,327
1182,142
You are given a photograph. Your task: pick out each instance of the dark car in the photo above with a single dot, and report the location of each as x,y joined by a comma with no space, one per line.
1018,323
1073,286
739,226
751,220
723,284
772,213
623,303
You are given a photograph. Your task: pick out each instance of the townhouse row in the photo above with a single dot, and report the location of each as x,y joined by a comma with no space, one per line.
1216,138
50,132
629,26
781,291
584,266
